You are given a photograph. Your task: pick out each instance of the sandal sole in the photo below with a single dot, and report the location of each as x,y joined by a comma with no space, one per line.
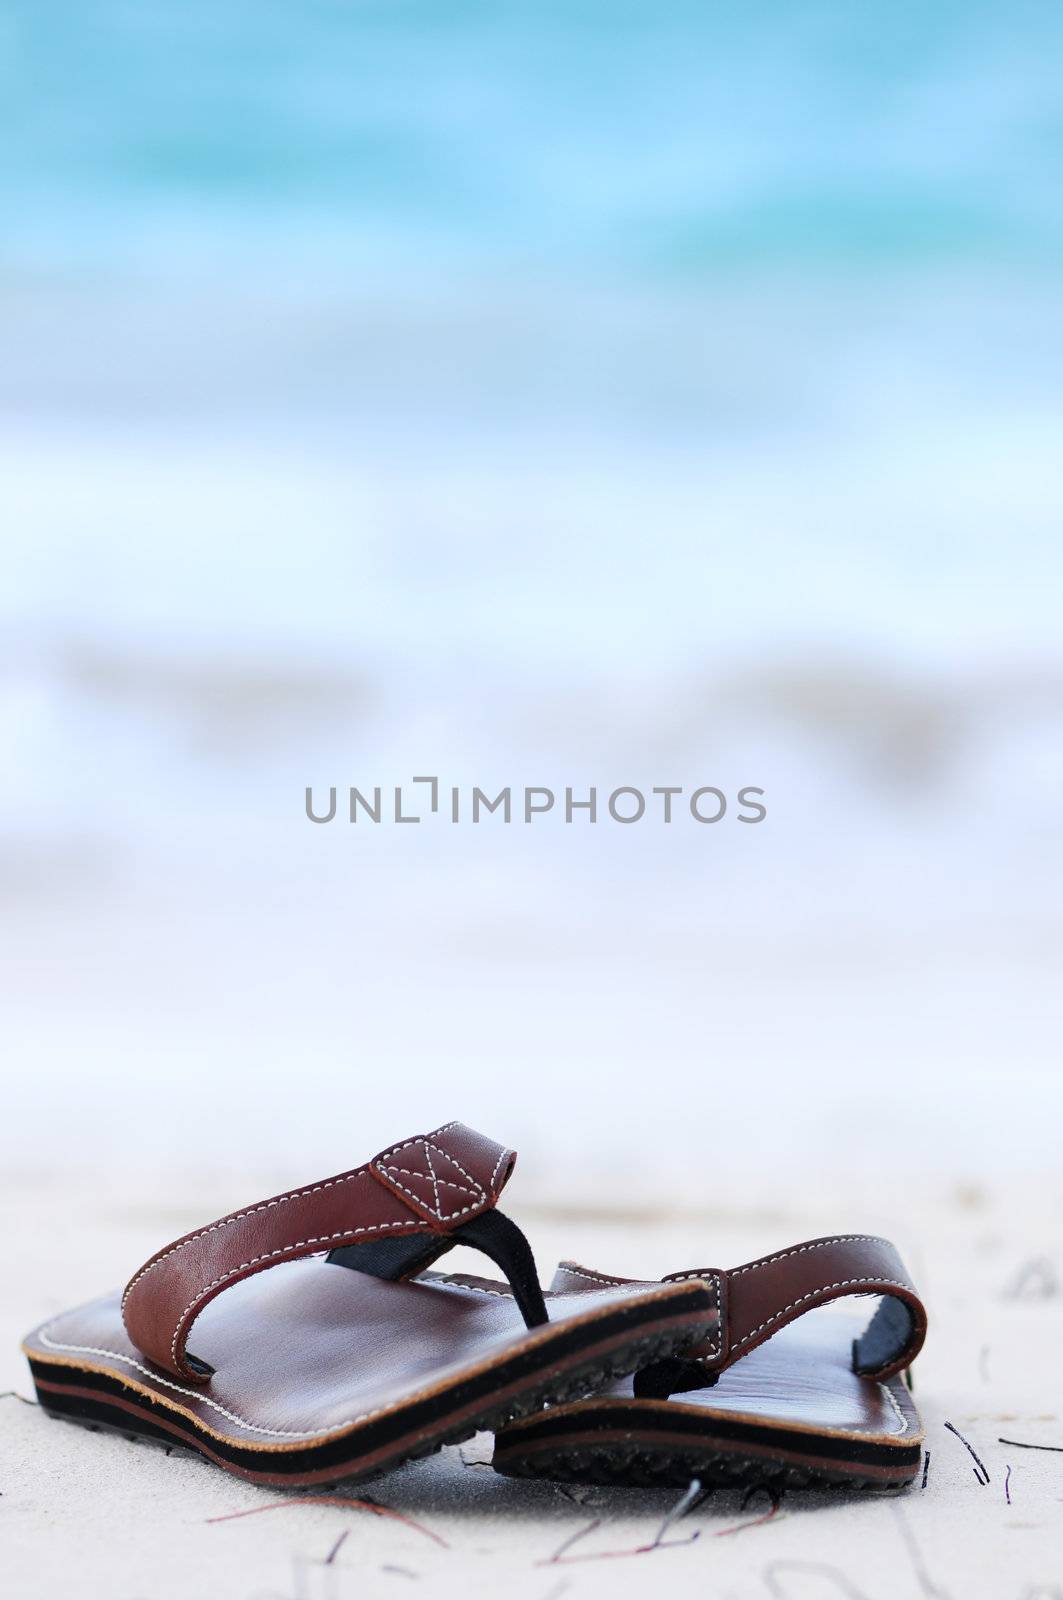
616,1452
579,1361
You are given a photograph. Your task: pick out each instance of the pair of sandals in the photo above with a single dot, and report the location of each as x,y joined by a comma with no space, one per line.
350,1355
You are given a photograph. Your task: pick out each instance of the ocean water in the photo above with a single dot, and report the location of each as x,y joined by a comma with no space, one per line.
626,141
535,395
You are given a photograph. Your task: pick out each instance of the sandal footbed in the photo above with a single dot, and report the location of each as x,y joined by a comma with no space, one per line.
325,1374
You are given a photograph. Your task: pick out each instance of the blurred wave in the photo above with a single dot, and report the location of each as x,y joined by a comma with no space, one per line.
563,394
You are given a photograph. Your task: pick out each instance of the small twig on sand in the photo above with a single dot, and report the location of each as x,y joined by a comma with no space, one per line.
1007,1485
926,1470
981,1474
1024,1444
758,1522
13,1394
335,1500
690,1497
330,1558
572,1539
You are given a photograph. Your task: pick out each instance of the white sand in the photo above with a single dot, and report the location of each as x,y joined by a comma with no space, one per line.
89,1515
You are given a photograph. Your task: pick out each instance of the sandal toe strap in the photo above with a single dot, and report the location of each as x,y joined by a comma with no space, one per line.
431,1184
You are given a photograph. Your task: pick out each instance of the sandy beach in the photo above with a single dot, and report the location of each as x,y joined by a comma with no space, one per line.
92,1515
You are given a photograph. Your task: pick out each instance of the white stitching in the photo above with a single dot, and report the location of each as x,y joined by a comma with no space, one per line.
897,1412
714,1349
803,1249
203,1399
450,1184
195,1394
477,1186
592,1277
681,1277
442,1216
281,1200
477,1192
280,1433
345,1233
433,1178
716,1279
436,1133
238,1216
502,1154
432,1175
288,1433
474,1288
818,1244
301,1244
678,1277
845,1283
827,1288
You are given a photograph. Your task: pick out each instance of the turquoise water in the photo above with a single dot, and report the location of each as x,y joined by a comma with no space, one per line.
628,142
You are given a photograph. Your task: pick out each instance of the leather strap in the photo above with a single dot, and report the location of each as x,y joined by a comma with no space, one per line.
755,1300
430,1184
763,1296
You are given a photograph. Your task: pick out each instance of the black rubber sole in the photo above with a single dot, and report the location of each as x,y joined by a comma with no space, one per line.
632,1466
102,1402
647,1444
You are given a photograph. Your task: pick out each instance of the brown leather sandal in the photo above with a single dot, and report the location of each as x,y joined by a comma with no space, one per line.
317,1372
821,1403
